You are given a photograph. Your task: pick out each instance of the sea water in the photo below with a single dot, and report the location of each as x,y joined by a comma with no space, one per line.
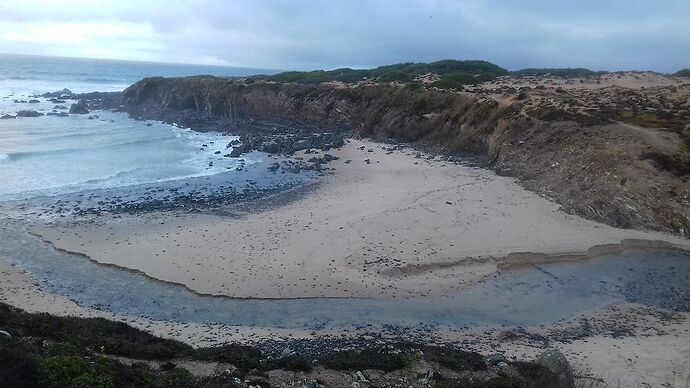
49,156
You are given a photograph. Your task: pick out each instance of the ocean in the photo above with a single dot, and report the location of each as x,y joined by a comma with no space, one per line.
52,156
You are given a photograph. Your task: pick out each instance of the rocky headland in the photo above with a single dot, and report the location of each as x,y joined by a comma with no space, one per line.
611,148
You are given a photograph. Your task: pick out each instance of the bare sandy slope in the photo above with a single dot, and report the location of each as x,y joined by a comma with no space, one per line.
400,226
627,79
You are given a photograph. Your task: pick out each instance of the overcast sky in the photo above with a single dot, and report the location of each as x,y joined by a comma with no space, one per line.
301,34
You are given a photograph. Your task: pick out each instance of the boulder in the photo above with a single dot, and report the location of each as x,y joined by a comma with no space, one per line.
28,113
79,108
34,101
5,337
4,117
555,361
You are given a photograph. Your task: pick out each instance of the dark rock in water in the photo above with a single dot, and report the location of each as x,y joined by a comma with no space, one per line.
93,117
60,93
217,153
79,108
233,143
4,117
61,107
56,101
57,114
555,361
28,113
19,101
34,101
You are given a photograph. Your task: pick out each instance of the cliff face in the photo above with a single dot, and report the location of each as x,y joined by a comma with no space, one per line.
594,167
447,121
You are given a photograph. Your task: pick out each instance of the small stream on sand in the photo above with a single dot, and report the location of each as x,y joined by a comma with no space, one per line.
530,295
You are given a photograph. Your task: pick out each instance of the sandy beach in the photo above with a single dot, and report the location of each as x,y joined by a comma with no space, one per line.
401,225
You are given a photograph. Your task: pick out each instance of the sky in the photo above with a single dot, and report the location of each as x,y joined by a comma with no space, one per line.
327,34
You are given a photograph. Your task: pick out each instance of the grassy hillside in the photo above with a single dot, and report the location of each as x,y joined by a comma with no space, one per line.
453,73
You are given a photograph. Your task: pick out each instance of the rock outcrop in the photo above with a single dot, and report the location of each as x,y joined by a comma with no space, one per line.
29,113
79,108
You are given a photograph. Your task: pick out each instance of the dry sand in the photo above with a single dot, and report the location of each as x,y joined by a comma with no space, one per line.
400,226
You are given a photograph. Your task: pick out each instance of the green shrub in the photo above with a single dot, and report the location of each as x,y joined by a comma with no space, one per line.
367,359
70,371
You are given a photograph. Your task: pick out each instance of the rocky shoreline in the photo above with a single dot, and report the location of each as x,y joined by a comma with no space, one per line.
579,147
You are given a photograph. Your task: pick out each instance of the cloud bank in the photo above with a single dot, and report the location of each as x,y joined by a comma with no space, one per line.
308,34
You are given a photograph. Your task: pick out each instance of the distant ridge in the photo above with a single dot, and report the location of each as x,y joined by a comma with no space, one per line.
453,73
682,73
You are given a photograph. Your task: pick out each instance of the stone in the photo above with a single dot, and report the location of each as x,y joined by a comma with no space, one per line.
28,113
79,108
555,361
5,337
5,117
496,359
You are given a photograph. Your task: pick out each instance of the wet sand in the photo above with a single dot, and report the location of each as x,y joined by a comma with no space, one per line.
398,226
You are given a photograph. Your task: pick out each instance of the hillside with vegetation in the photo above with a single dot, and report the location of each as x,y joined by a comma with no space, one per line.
682,73
452,73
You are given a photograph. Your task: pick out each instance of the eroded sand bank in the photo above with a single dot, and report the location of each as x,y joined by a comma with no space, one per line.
395,227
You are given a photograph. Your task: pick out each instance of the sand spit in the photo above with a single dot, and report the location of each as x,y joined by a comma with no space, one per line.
352,236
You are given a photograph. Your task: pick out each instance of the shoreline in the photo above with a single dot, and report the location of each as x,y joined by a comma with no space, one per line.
399,211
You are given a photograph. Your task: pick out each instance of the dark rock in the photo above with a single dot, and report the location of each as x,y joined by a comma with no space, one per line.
28,113
5,337
495,359
4,117
93,117
79,108
61,107
274,167
60,93
34,101
555,361
57,114
19,101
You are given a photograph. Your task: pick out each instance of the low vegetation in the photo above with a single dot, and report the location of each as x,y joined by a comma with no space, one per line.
49,351
682,73
452,73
